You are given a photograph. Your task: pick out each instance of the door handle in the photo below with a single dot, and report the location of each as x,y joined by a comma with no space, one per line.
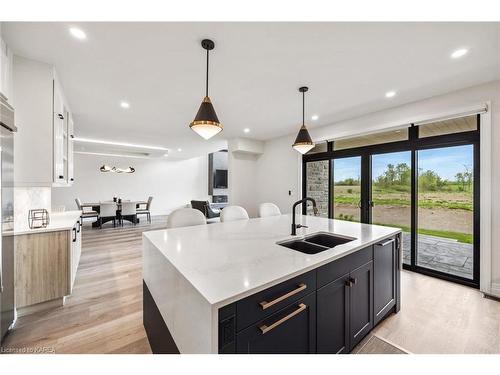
386,242
265,328
351,281
79,227
74,231
300,288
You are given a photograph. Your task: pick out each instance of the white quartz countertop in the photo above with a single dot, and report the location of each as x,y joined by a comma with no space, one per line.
228,261
58,221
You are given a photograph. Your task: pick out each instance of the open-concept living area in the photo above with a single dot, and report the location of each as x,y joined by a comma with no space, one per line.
250,187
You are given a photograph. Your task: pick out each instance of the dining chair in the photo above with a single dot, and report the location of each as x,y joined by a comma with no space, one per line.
107,211
268,209
233,213
129,209
185,217
146,211
89,214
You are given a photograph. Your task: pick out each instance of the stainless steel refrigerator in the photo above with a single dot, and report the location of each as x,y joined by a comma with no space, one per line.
7,130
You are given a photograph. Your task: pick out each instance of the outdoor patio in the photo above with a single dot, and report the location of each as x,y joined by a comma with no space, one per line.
441,254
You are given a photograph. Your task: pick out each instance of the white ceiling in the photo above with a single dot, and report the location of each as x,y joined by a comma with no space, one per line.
256,69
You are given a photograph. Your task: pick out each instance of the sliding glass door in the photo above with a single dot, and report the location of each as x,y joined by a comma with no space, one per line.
445,234
391,194
347,189
424,180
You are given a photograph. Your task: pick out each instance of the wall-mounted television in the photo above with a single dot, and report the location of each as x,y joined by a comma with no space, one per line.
220,179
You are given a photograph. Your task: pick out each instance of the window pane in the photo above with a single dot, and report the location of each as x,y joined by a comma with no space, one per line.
457,125
319,147
317,186
391,194
371,139
347,188
445,210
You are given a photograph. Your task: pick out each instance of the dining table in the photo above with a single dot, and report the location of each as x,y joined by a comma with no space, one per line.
95,206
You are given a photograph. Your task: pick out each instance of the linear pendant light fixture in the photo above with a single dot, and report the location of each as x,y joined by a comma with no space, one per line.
303,142
206,124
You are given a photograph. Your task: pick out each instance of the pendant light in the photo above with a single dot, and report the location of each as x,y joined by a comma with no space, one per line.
303,142
206,124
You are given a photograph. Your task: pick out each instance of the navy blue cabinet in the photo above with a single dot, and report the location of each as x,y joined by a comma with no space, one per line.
385,265
291,330
360,303
332,301
326,310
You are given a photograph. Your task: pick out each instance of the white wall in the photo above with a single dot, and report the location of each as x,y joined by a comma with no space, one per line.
173,184
241,181
278,169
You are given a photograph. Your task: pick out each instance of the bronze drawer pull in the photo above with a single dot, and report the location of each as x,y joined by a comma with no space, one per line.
299,288
264,328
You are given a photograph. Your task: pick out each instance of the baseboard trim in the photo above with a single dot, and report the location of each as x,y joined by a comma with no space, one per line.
26,310
494,290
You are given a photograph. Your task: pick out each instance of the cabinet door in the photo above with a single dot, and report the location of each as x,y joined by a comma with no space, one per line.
360,303
332,302
59,125
292,330
384,278
70,149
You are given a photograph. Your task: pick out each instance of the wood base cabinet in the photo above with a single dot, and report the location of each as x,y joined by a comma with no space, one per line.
45,268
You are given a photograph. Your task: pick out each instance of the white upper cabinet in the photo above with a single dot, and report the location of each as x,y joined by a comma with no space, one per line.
6,71
43,147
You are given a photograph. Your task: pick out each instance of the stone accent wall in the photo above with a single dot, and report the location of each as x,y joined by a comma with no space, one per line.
317,186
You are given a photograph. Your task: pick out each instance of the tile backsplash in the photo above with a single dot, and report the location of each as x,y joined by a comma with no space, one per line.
27,198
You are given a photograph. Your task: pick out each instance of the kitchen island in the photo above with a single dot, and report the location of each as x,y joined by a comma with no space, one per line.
233,288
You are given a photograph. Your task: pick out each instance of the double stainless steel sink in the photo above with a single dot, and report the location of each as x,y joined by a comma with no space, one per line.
316,242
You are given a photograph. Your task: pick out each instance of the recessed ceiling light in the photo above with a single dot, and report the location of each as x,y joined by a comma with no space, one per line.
390,94
77,33
459,53
314,117
179,149
165,154
246,130
103,142
124,105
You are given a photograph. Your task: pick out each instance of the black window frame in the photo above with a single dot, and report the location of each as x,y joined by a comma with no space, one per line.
413,144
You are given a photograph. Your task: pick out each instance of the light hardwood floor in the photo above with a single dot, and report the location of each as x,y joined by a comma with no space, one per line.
104,314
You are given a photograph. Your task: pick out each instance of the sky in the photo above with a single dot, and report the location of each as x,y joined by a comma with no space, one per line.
446,162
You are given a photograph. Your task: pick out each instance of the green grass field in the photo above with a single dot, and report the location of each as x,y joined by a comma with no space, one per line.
460,237
451,198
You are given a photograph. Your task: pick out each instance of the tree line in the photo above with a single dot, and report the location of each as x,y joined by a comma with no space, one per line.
399,175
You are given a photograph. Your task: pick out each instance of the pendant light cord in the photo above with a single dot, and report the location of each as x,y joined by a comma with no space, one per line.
206,88
303,106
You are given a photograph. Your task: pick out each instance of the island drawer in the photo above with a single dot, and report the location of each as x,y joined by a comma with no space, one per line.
258,306
333,270
291,330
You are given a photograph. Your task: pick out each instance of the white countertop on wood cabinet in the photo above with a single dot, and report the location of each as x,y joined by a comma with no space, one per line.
58,221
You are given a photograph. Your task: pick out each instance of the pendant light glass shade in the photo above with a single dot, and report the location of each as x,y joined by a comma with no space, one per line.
303,143
206,124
